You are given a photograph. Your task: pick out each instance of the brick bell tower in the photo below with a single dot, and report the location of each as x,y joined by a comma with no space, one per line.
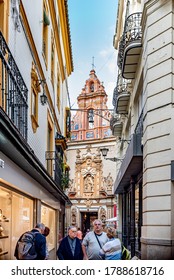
91,120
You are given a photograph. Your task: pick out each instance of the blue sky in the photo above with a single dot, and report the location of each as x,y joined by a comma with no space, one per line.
92,27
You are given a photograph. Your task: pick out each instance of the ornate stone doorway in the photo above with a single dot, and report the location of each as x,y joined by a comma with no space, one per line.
87,219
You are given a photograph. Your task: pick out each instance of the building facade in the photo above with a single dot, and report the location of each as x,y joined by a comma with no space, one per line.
91,176
35,62
144,114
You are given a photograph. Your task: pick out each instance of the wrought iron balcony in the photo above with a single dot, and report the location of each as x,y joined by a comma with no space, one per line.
55,163
116,125
121,95
130,46
13,91
54,158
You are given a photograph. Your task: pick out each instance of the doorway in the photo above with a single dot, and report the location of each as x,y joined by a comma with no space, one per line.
87,219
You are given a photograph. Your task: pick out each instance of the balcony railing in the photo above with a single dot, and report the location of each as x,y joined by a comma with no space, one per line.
116,125
55,163
130,46
13,91
54,159
121,95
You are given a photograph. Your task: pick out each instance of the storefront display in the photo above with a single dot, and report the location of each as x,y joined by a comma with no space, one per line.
16,217
48,219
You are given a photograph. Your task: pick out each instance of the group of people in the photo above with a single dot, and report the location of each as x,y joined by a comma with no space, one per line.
96,245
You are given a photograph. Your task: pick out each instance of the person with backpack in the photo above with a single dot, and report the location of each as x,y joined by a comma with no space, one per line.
32,244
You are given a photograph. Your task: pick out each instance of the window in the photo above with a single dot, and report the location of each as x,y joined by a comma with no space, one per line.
52,59
92,87
90,116
76,127
4,17
68,122
58,90
35,89
46,23
34,104
50,144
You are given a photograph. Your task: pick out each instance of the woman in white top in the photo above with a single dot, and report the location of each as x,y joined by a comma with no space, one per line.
112,249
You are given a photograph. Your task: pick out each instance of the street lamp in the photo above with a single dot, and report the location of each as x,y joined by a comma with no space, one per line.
104,152
43,97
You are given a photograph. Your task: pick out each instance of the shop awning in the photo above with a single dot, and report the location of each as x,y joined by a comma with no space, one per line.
114,219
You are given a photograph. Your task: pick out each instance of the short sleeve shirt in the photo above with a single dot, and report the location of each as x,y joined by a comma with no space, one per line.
92,246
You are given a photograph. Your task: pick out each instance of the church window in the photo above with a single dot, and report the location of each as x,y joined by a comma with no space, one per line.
76,127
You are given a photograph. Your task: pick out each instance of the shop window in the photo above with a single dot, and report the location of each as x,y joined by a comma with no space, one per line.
16,217
48,219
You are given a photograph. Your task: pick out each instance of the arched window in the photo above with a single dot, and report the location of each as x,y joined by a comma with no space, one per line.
92,87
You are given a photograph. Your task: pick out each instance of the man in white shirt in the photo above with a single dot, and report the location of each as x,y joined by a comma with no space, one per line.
94,241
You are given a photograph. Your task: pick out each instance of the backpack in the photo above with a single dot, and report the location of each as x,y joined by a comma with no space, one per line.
25,247
126,254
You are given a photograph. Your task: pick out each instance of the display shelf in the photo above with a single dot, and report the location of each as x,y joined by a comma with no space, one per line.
5,236
3,253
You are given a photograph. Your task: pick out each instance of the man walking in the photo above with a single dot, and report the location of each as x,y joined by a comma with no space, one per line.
94,241
70,246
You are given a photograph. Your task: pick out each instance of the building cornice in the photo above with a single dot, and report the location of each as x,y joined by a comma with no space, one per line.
64,22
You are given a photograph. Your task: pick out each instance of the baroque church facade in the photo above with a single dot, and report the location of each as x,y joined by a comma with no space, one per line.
91,176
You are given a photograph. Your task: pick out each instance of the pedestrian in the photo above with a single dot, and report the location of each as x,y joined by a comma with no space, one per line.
93,241
32,244
70,246
46,233
79,234
112,248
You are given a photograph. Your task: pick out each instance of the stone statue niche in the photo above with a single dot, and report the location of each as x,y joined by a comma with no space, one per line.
88,183
73,216
103,215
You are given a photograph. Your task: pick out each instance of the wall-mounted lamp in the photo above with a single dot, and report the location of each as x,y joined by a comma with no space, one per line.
43,97
104,152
